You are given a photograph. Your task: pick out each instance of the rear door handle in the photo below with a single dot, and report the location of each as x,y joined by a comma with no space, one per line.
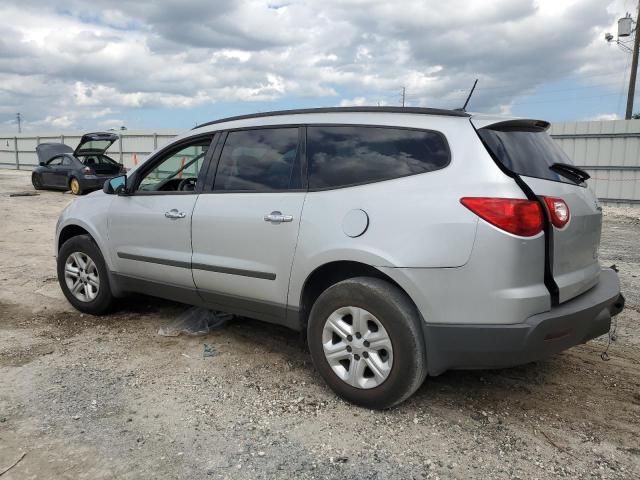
174,213
277,217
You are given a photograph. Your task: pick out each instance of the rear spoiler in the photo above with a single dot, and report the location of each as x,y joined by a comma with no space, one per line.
517,124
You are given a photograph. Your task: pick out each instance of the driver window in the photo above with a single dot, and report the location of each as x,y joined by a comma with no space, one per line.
179,169
55,161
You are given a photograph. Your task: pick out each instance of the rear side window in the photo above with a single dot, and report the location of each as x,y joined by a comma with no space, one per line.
350,155
528,152
260,160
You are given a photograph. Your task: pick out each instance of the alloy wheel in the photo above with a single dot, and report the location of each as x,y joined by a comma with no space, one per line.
81,276
357,347
75,186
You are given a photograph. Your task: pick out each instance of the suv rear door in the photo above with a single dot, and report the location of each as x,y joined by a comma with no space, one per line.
524,149
245,223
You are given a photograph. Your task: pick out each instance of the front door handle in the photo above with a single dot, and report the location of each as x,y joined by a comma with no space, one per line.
174,213
277,217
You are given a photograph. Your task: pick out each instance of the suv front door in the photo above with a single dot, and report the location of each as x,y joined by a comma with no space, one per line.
245,224
150,228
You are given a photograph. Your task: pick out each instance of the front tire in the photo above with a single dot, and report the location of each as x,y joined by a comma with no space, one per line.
366,341
83,276
35,181
74,186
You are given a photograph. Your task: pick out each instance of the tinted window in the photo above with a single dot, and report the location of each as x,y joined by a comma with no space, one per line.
259,160
347,155
92,145
55,161
526,152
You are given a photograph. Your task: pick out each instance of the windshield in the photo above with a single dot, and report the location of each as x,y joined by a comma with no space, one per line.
527,152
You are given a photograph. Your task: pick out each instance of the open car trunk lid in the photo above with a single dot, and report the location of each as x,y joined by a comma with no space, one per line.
95,143
525,150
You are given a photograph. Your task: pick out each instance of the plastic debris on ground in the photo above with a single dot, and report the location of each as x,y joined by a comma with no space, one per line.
209,350
24,194
195,321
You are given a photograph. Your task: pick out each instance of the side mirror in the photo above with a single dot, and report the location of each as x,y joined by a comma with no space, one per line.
42,164
116,185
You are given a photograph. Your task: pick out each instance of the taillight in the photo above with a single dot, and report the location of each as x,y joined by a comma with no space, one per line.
558,210
513,215
88,171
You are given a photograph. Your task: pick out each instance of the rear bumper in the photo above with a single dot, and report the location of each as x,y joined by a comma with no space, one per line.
495,346
94,182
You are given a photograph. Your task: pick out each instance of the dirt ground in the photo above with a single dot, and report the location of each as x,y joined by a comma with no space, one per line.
106,397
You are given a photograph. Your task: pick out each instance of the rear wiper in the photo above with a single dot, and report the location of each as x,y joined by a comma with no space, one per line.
570,171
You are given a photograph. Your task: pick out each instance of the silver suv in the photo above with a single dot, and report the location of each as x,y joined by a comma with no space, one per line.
403,241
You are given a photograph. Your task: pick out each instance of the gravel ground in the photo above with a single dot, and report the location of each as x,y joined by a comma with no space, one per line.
89,397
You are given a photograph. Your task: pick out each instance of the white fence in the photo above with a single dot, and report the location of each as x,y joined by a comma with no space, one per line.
19,151
608,150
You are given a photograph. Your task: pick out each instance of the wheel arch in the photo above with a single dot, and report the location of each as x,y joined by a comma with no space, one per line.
71,231
74,227
330,273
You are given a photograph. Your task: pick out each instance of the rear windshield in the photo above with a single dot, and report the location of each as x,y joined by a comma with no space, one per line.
95,145
527,152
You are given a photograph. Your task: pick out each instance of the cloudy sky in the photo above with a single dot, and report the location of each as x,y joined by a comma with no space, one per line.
67,65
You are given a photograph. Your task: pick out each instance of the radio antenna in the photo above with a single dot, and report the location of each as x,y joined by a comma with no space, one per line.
464,107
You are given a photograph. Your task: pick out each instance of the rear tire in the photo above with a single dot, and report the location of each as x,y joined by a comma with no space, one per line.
74,186
35,181
384,314
83,276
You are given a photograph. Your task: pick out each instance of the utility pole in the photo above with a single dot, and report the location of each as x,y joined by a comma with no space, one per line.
634,68
19,122
403,95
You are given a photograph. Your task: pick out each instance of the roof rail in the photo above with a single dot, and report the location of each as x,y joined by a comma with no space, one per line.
418,110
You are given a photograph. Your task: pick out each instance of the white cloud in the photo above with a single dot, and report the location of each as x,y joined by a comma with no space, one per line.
605,117
357,102
108,58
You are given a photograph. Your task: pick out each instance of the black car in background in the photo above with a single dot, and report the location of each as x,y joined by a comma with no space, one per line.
81,170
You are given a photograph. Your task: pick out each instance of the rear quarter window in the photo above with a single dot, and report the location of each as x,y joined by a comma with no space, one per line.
340,156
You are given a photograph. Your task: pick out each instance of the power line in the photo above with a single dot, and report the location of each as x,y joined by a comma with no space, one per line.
626,71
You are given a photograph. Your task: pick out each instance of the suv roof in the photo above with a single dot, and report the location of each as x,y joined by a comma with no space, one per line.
419,110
